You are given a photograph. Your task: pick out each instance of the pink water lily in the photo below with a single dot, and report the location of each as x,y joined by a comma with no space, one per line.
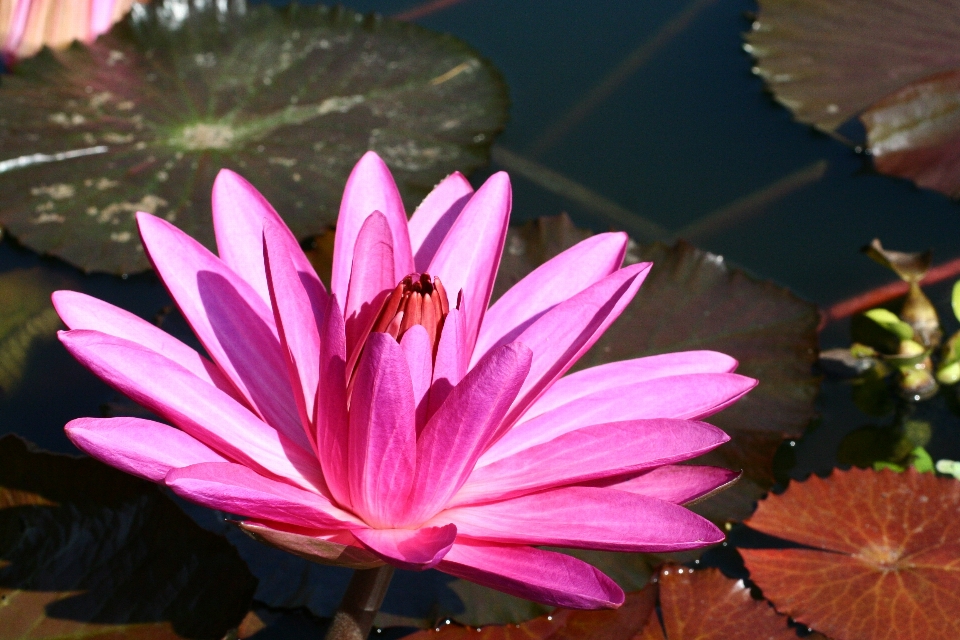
396,418
28,25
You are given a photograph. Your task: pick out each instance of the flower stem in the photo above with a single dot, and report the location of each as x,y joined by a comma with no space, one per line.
360,604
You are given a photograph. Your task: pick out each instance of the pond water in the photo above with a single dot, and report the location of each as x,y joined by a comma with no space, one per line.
686,133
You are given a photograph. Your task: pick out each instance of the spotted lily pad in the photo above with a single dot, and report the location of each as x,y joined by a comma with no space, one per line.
144,118
26,317
89,552
882,556
894,62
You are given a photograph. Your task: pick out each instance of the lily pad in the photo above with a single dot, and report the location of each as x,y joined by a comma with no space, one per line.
896,62
828,60
144,118
703,604
694,605
26,317
562,624
882,556
87,551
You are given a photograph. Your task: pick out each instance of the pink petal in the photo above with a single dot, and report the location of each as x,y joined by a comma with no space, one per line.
690,397
627,372
412,549
458,432
533,574
586,517
470,254
143,448
371,280
588,454
236,489
296,324
451,363
331,417
80,311
551,283
16,27
338,548
560,336
232,322
200,409
383,435
419,353
101,16
676,483
370,188
432,220
239,212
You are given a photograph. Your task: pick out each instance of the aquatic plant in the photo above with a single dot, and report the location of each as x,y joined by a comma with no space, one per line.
395,419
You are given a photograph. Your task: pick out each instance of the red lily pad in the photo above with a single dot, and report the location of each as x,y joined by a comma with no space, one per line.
144,118
87,551
882,558
562,624
703,604
896,62
694,605
915,133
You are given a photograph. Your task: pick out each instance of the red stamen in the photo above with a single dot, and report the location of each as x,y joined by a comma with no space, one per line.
394,327
444,301
389,310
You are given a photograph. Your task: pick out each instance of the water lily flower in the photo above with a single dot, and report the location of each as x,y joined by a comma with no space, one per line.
28,25
395,418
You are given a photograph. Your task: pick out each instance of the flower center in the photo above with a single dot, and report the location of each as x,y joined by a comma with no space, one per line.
419,299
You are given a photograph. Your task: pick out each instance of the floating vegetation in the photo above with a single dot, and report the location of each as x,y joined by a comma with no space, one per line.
880,557
895,63
138,566
143,118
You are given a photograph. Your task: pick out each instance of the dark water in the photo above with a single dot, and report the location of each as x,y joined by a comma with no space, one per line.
687,133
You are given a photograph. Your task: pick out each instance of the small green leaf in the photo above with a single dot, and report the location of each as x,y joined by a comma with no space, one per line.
955,299
921,460
880,329
889,321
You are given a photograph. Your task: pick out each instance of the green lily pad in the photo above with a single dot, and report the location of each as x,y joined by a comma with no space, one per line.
87,551
144,118
26,317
